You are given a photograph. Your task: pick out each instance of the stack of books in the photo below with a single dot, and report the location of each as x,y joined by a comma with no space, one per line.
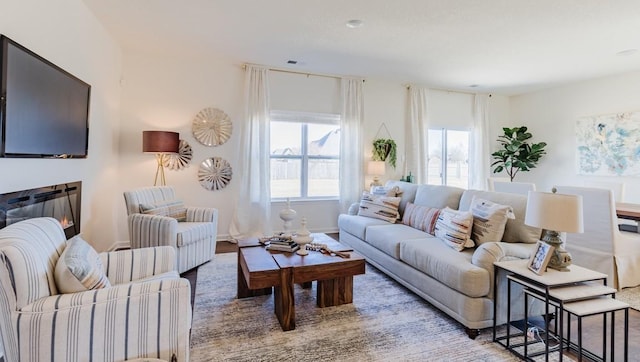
282,244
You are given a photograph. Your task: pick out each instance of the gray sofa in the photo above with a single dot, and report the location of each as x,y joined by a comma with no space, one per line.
458,283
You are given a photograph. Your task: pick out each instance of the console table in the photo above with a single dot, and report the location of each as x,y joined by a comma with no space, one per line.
580,292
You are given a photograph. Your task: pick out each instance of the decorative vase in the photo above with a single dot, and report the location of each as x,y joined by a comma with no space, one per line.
303,237
287,215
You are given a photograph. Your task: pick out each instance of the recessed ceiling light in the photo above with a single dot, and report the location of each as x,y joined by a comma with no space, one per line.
354,23
627,52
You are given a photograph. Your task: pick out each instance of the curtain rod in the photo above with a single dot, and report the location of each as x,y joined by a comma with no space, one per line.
447,90
281,70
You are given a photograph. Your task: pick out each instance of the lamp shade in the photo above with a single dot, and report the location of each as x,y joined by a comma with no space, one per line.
376,168
557,212
160,141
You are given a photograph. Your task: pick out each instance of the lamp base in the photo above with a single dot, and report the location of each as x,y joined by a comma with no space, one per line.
560,259
376,182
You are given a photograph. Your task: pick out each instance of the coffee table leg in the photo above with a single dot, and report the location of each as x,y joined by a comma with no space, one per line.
283,300
334,291
243,287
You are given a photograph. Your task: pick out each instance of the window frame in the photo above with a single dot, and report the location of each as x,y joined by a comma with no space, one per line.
444,154
304,119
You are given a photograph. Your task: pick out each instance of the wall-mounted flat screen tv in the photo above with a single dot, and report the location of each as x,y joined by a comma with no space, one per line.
44,110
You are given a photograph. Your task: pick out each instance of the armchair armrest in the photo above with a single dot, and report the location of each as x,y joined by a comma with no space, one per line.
202,214
150,319
152,230
128,265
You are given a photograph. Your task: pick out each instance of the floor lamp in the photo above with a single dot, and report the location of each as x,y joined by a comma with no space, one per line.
160,142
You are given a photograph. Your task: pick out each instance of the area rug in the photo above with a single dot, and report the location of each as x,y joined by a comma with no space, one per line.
630,296
385,322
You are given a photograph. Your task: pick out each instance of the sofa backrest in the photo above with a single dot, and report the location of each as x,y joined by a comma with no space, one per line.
147,195
408,192
29,251
515,231
438,196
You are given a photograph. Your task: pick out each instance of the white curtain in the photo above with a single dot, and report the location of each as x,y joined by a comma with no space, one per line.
253,207
416,134
480,156
351,150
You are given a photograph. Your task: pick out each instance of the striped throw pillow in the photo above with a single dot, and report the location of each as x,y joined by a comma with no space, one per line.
379,207
421,217
454,228
174,209
79,268
489,220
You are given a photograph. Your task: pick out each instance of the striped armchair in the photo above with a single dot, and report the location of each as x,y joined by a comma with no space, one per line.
193,239
146,313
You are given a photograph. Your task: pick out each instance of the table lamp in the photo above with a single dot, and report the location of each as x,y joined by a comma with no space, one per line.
376,169
555,213
160,143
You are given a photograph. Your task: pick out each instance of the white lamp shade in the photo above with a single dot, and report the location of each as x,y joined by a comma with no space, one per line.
376,168
557,212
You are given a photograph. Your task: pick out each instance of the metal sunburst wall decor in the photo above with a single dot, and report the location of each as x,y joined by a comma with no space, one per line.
180,160
212,127
214,173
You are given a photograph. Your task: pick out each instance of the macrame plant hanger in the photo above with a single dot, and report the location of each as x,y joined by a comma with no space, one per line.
377,136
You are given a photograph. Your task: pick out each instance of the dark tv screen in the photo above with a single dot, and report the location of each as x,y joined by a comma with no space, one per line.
44,109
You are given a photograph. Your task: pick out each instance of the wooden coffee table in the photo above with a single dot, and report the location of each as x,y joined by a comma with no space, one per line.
260,270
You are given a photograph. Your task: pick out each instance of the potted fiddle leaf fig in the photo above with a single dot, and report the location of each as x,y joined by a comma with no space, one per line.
384,149
517,154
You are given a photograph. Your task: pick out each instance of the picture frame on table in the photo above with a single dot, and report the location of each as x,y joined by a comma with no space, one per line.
540,258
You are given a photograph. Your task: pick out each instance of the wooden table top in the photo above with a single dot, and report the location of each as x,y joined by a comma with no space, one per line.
628,211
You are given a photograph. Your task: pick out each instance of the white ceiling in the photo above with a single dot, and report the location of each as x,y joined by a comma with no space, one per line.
502,46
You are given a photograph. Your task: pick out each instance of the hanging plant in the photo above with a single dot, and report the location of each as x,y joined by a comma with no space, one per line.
384,149
516,153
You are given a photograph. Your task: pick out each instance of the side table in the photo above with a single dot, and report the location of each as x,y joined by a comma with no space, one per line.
580,292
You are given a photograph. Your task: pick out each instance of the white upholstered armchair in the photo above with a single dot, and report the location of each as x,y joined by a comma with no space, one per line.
156,217
145,312
602,247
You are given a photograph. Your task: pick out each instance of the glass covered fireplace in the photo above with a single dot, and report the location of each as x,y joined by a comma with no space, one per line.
61,202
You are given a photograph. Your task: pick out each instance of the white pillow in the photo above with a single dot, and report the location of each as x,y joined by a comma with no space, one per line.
379,207
454,228
79,268
386,191
489,220
174,209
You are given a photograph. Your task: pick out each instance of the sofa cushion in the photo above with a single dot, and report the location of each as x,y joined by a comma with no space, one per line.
357,225
421,217
451,268
387,238
515,231
379,207
489,220
191,232
174,209
79,268
438,196
454,228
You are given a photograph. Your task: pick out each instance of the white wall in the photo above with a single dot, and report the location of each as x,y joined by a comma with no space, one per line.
66,33
551,116
166,93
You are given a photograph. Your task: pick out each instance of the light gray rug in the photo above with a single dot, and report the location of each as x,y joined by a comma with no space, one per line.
385,322
630,296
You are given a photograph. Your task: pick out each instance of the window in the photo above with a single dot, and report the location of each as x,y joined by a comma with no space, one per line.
305,155
448,157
